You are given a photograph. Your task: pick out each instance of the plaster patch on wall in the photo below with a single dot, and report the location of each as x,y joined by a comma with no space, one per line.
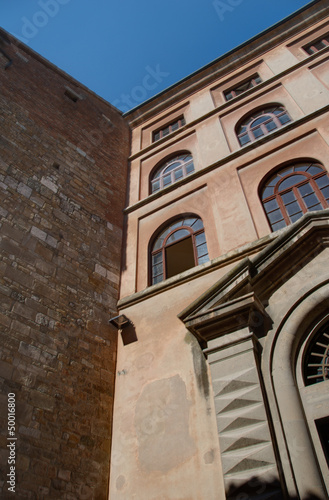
162,425
209,457
145,361
120,482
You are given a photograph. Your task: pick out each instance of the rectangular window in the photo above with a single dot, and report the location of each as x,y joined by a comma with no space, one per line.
179,257
168,129
242,87
317,45
322,426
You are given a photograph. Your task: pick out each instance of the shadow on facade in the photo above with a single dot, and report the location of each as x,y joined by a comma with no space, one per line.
129,335
258,489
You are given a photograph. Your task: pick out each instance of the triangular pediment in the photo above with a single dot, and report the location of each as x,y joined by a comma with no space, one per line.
244,290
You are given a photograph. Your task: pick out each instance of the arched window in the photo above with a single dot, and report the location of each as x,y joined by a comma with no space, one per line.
316,359
178,247
293,191
313,367
261,123
172,171
303,406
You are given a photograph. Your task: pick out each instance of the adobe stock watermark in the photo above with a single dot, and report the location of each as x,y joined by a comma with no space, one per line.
31,26
223,6
11,442
139,93
94,138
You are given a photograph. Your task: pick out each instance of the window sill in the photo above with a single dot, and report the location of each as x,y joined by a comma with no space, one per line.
201,270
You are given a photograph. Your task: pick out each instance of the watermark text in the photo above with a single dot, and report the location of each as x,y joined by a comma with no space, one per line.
222,7
11,444
139,93
31,25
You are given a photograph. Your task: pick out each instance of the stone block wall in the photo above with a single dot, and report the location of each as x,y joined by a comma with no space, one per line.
63,162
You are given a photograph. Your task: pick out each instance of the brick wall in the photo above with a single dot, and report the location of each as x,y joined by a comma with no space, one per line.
63,157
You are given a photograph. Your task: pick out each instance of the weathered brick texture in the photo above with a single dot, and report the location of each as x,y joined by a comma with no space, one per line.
62,188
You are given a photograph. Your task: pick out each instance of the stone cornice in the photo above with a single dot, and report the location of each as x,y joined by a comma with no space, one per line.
229,106
220,67
241,312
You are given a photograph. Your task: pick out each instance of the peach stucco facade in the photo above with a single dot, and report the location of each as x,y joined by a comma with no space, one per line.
210,402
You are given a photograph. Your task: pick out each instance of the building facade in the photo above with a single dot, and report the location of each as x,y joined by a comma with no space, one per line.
222,373
197,223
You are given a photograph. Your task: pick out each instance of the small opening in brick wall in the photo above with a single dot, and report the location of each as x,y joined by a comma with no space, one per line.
5,60
71,94
4,40
108,121
56,165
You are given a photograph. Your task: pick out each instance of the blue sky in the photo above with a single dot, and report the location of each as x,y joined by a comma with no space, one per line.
112,46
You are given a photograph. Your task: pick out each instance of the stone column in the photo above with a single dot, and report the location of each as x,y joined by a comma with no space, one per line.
229,334
248,458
